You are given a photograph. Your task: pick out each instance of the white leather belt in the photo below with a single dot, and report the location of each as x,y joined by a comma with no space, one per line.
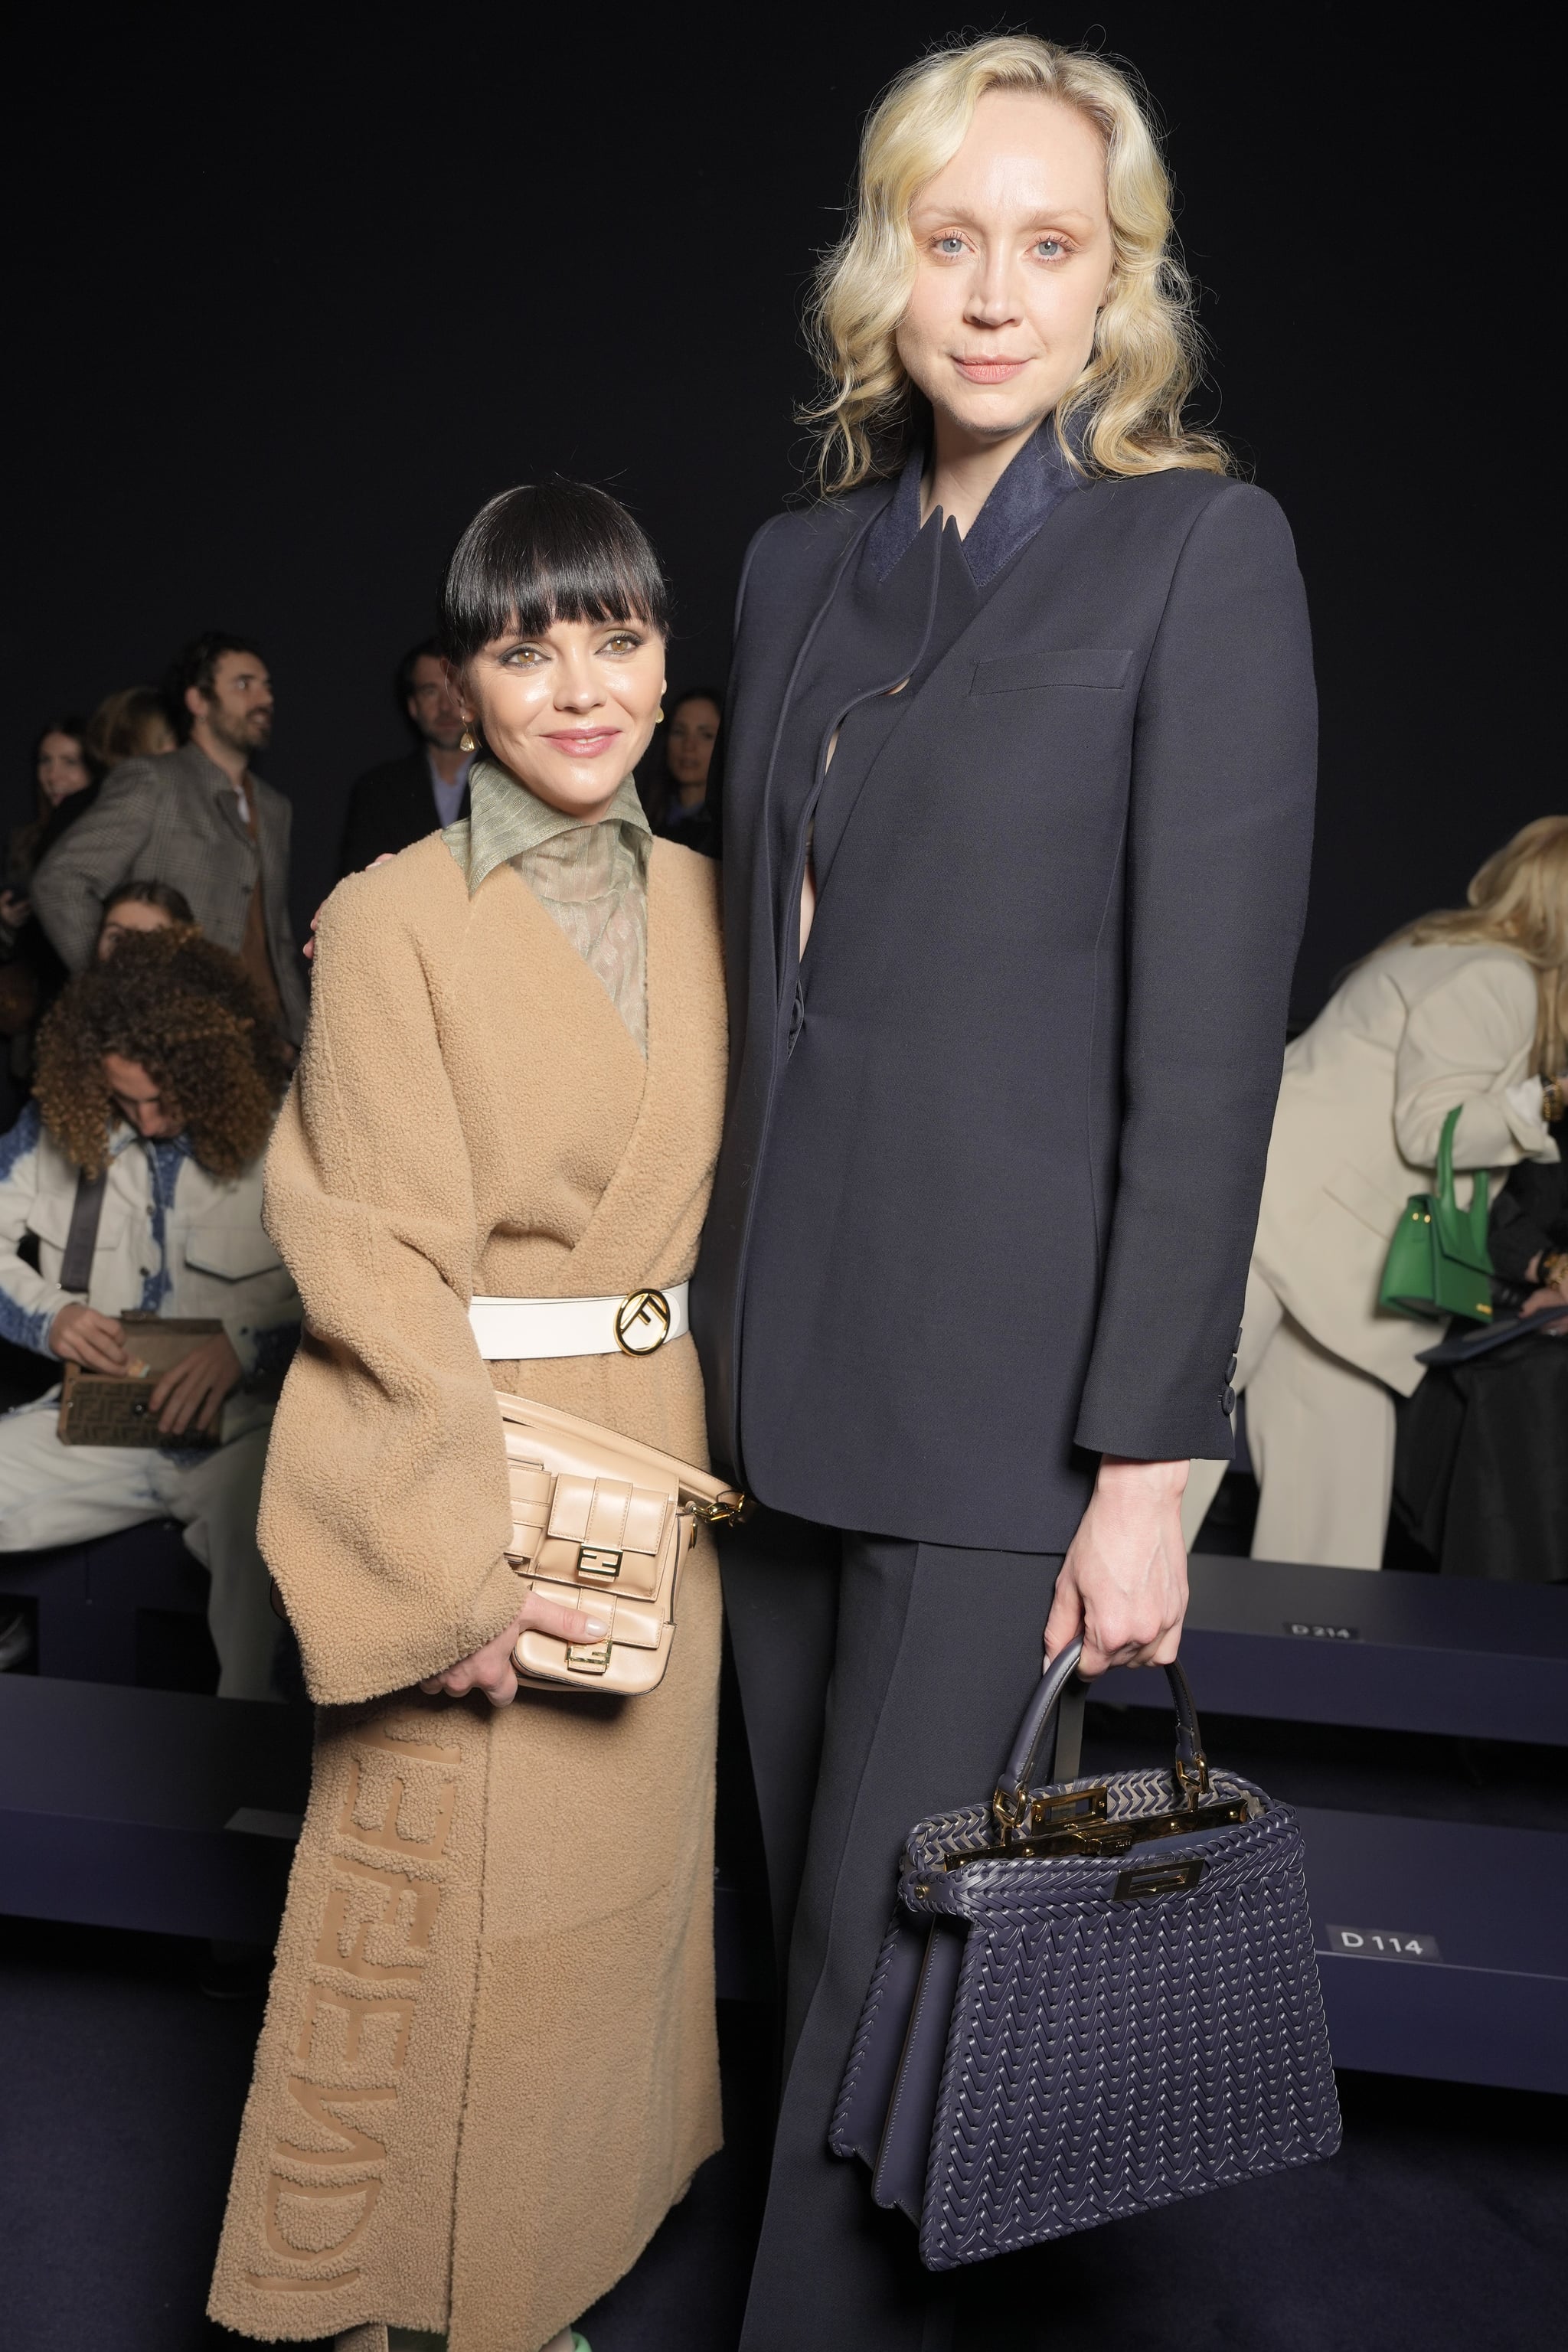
521,1330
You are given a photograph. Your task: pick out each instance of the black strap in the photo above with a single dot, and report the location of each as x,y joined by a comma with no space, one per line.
76,1267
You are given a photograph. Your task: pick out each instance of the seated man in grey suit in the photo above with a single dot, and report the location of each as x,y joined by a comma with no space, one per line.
403,800
197,819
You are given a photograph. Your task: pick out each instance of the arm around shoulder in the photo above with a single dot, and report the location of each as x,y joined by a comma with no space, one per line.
385,1509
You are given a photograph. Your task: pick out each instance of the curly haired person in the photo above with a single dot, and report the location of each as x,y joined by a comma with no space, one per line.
160,1074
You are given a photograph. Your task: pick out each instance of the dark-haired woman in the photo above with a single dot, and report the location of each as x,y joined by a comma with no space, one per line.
66,781
676,795
489,2066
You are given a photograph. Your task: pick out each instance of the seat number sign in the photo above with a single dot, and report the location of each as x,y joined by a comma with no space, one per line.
1382,1944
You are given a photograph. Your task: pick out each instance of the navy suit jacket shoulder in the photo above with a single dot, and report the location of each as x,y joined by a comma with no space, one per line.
1029,1073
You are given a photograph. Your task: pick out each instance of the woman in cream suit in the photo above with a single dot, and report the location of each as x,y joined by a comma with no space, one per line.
1466,1007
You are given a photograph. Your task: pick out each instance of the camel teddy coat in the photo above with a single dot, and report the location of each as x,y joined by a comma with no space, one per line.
489,2066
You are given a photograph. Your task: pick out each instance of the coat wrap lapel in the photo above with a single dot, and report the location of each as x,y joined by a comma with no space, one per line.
496,1961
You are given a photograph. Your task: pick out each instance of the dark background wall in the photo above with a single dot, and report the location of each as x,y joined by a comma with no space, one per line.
291,296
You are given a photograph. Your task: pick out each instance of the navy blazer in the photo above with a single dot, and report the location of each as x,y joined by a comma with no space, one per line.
993,1158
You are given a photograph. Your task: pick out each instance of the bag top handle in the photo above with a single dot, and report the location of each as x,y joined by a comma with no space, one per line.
1014,1787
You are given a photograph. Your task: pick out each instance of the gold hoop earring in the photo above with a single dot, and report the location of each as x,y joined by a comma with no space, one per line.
658,715
466,740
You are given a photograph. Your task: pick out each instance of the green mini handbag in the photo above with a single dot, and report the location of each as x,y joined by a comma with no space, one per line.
1438,1261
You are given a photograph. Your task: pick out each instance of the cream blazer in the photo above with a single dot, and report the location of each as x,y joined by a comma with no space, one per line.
1413,1031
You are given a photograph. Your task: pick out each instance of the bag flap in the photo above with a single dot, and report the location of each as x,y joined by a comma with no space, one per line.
646,1464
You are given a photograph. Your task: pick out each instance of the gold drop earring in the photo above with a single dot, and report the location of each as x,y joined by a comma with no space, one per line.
466,740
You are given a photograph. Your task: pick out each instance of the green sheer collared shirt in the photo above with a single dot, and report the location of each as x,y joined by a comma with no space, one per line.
592,879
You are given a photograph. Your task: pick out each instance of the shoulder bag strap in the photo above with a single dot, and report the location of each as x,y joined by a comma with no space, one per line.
76,1267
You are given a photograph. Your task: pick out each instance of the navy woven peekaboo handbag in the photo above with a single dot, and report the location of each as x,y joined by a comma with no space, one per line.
1094,1998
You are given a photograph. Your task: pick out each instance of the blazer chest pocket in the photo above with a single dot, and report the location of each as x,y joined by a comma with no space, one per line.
232,1253
1093,665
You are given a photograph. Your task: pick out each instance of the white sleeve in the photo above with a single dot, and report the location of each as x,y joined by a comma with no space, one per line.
28,1303
1467,1042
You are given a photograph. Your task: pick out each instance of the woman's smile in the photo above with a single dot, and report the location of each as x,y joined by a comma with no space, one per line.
582,743
988,370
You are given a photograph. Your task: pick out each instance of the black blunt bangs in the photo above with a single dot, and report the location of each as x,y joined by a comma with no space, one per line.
552,550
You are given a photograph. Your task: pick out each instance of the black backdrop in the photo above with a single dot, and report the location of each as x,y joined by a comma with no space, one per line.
291,295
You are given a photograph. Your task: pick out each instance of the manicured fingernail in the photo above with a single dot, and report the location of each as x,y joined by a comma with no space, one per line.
594,1626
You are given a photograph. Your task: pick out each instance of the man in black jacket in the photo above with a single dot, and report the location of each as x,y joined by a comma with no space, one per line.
403,800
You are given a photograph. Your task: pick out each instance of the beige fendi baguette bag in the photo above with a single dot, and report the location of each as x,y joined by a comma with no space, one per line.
601,1522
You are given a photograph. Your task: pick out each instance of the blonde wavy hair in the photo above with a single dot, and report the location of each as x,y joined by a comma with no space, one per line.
1147,347
1519,900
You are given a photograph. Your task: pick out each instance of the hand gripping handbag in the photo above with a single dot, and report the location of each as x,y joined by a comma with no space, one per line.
1095,1998
1439,1262
601,1522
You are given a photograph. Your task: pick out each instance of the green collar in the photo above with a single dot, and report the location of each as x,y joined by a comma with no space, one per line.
508,820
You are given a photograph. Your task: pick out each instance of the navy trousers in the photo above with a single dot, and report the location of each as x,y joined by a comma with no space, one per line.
881,1680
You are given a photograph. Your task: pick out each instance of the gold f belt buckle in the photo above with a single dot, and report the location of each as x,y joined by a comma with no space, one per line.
642,1322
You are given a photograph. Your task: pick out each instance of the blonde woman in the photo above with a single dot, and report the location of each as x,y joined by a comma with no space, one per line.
1467,1008
1017,802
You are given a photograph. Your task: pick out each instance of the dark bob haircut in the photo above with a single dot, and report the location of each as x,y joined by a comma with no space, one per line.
552,550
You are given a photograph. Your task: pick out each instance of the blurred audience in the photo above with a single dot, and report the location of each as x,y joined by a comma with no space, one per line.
403,800
130,725
159,1076
1466,1007
66,780
141,906
1481,1464
199,819
675,794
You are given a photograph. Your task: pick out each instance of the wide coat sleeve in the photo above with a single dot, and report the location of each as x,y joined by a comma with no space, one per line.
384,1510
1219,842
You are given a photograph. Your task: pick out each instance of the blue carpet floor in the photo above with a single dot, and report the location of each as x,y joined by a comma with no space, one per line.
1440,2228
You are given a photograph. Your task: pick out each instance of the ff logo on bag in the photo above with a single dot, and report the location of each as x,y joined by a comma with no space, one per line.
642,1322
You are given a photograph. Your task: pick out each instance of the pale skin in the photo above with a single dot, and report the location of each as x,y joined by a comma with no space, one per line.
569,713
192,1393
1013,264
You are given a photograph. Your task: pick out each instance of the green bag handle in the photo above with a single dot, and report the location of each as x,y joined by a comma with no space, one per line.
1480,1190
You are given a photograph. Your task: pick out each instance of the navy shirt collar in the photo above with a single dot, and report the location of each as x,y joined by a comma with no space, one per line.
1035,484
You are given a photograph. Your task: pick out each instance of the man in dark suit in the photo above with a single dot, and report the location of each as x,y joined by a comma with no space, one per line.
403,800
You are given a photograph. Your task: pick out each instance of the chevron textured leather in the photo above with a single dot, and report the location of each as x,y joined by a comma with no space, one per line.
1106,2056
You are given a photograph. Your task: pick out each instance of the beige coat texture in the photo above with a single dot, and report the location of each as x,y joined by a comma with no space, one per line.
489,2066
1362,1105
